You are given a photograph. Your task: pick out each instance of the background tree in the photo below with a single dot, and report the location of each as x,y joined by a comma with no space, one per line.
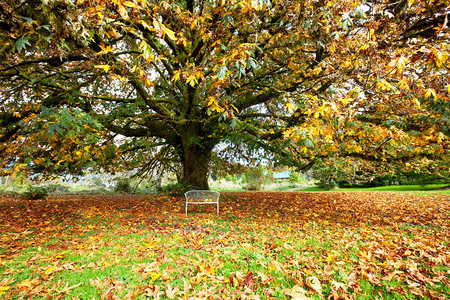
120,84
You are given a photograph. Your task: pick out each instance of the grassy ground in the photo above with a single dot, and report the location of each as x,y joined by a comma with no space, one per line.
267,245
432,188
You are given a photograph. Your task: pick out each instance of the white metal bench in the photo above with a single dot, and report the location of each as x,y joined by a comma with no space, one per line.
202,197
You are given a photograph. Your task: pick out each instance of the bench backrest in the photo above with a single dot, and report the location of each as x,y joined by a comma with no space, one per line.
202,196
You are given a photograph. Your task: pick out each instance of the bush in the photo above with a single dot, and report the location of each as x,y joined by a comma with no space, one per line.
175,189
52,188
123,186
255,178
35,193
329,184
294,177
231,178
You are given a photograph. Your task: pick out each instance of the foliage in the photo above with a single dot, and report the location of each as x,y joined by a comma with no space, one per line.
123,185
327,176
244,178
328,184
175,189
56,188
262,245
34,192
255,178
294,177
173,85
232,178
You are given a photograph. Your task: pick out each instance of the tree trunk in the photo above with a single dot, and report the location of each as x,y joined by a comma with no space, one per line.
196,167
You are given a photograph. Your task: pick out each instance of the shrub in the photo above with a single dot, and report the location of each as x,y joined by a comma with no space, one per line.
243,179
231,178
123,186
255,178
294,177
175,189
52,188
35,193
329,184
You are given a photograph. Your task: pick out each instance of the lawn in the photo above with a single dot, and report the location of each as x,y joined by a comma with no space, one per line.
265,245
419,189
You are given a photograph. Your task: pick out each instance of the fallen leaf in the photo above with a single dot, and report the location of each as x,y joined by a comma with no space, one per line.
171,292
297,293
313,283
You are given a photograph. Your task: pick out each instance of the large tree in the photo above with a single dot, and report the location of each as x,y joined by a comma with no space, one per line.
141,83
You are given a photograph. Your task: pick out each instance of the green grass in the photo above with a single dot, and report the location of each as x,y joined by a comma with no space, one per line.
433,188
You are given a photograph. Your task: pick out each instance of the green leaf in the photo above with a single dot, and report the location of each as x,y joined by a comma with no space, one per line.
251,63
235,124
29,20
228,19
309,143
222,72
21,43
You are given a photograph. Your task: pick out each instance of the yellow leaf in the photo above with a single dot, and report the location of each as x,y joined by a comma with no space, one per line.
50,270
440,59
291,107
28,283
363,47
194,23
403,84
176,76
129,4
104,67
105,49
346,64
145,24
383,85
402,62
192,80
430,92
122,11
210,101
148,82
163,30
150,245
346,100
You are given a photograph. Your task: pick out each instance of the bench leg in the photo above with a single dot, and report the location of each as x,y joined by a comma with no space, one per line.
186,208
217,208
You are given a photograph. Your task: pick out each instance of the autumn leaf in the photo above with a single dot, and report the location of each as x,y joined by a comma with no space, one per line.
103,67
297,293
313,283
154,276
163,30
171,292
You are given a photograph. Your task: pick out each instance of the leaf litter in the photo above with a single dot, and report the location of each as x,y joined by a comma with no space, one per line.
265,245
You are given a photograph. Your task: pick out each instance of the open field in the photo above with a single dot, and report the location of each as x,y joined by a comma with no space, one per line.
264,245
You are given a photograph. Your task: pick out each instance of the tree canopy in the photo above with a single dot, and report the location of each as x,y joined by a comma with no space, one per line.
126,84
